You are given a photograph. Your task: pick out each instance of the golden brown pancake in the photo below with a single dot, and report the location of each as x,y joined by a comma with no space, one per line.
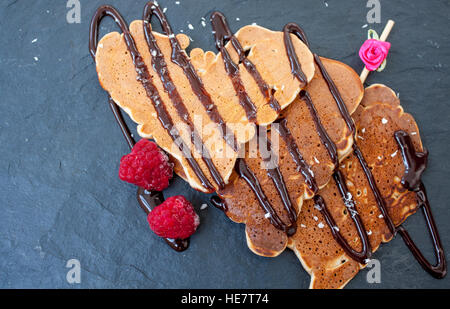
377,119
263,238
117,76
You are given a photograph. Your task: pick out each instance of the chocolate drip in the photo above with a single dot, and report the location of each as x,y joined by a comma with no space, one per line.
329,145
244,171
222,35
180,58
121,122
227,35
296,68
366,250
278,180
302,165
149,200
336,95
415,163
219,203
373,186
365,253
323,135
160,66
145,78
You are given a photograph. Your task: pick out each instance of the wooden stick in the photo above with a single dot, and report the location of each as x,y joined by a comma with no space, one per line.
383,37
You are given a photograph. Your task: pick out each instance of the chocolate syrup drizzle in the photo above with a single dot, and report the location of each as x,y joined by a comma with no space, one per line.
147,200
223,35
219,203
180,58
160,66
336,95
145,78
366,251
244,171
323,135
302,165
296,68
415,164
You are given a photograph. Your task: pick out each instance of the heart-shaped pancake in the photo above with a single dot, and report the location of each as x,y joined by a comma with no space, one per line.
242,202
203,107
377,119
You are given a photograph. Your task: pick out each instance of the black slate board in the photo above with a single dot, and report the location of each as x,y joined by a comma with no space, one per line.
60,196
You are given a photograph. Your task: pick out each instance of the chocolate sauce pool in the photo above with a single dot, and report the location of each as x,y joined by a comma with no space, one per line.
149,200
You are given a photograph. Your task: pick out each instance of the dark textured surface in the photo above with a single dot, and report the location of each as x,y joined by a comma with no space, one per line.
60,196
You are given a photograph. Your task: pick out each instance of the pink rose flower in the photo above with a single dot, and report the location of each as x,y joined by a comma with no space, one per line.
373,53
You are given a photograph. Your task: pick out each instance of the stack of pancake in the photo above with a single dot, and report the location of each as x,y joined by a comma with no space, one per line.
266,124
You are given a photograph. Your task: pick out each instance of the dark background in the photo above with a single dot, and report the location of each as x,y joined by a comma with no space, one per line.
60,195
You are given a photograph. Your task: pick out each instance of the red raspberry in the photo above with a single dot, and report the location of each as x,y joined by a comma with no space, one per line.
146,166
174,218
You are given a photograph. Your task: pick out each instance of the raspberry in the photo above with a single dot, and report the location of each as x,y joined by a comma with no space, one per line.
146,166
174,218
